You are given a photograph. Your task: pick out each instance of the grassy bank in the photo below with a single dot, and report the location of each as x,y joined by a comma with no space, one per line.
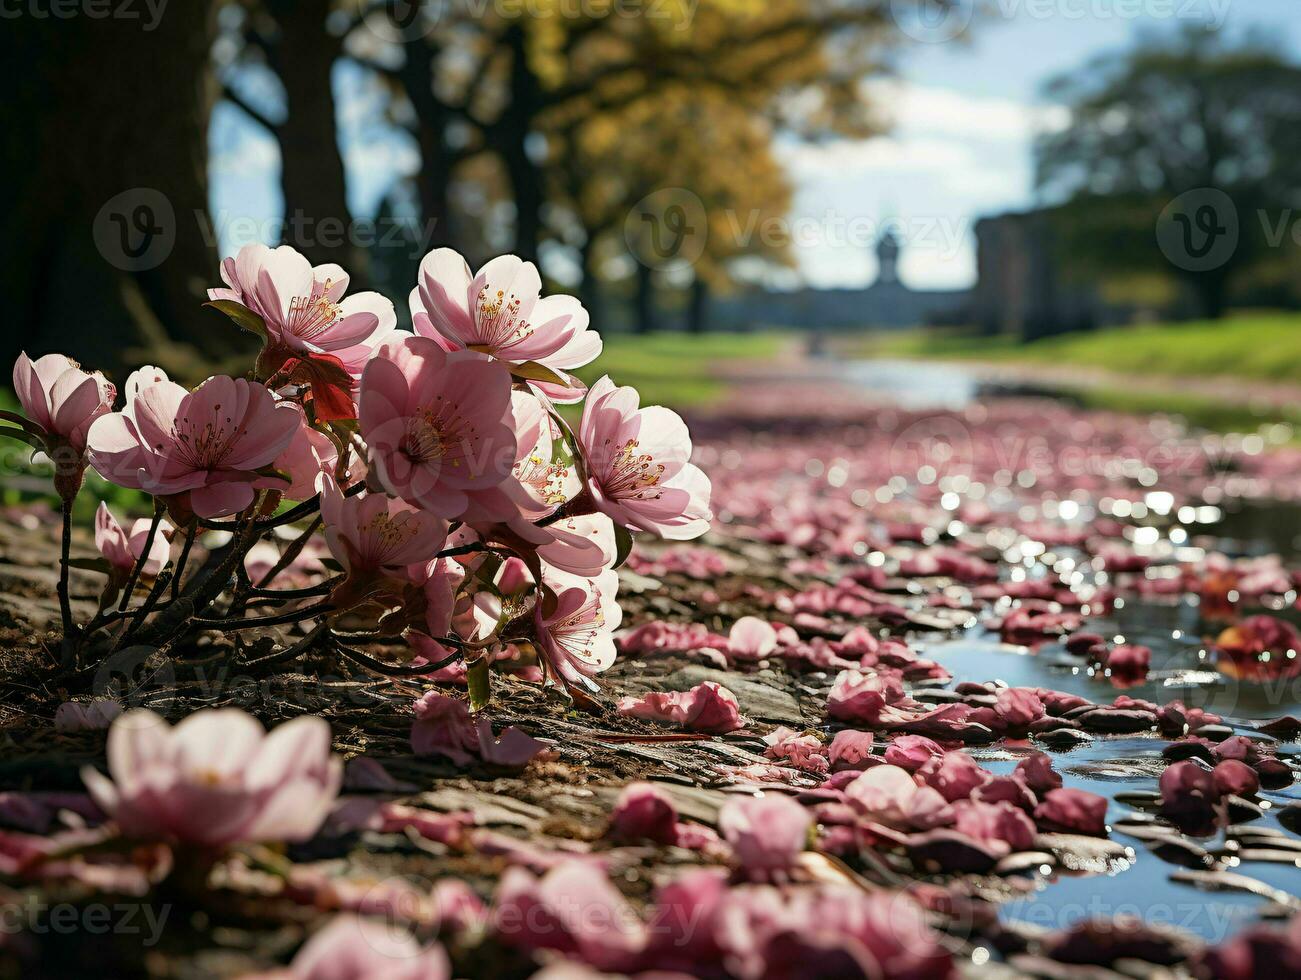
680,370
1264,346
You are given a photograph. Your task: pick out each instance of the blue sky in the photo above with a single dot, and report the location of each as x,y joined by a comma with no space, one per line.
964,114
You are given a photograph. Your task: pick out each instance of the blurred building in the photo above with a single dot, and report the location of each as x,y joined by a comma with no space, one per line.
888,303
1023,288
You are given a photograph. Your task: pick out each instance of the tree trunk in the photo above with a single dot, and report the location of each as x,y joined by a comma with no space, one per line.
512,133
105,243
432,120
647,320
1209,289
317,219
698,307
589,290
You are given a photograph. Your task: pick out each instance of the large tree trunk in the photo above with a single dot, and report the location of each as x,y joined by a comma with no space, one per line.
647,318
512,133
432,120
105,244
1209,290
589,290
698,306
317,219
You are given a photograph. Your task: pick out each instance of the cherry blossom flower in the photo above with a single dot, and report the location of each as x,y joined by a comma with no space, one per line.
572,909
443,726
707,707
304,307
216,778
309,454
889,795
500,312
353,947
210,443
575,636
61,398
61,401
644,812
72,716
638,465
751,639
123,549
1073,810
766,832
376,537
438,425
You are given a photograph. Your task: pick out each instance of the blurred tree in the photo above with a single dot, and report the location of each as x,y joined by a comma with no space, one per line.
507,78
693,151
1175,117
298,42
104,247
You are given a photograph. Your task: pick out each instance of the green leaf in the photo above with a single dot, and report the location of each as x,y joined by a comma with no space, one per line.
533,371
243,317
33,440
623,544
479,682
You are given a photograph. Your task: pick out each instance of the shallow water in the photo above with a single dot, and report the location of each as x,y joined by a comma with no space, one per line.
1182,668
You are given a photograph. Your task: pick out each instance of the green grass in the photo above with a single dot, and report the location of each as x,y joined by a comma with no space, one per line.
1264,346
679,370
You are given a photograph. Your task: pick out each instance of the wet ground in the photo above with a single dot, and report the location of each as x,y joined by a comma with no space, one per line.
913,502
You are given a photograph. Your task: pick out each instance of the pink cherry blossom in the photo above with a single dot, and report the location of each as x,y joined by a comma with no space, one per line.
751,639
707,707
639,469
209,443
850,750
122,549
61,398
1036,771
572,909
1073,810
61,402
375,536
443,726
889,795
438,425
309,454
766,832
304,307
216,778
72,716
499,312
352,947
644,812
575,637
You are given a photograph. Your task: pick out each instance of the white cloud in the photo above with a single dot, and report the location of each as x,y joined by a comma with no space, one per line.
924,109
